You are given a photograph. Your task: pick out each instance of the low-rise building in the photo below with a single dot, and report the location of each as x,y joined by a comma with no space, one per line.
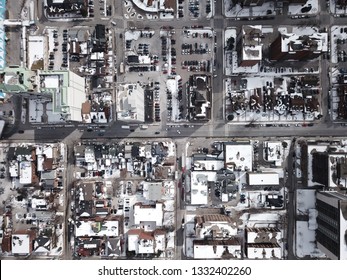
146,214
217,249
293,46
263,243
99,229
199,186
249,45
67,90
215,237
130,103
264,178
22,242
146,242
199,96
238,156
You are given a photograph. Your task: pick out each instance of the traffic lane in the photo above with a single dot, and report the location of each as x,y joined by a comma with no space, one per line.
183,130
290,184
218,8
218,24
219,130
52,133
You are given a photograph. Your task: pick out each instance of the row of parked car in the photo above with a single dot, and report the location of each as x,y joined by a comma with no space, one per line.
195,48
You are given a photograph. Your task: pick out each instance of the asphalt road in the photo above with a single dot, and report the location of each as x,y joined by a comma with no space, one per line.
216,128
210,130
291,188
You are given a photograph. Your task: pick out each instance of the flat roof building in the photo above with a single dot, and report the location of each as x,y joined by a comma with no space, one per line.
67,90
110,228
292,46
217,249
153,191
249,45
25,172
18,79
238,157
149,213
21,244
273,152
263,243
250,2
37,50
130,103
261,179
144,242
331,234
199,186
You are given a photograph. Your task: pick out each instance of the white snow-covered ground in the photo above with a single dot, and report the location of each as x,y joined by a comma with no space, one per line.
265,219
169,187
58,250
305,200
132,35
169,219
211,14
169,205
305,241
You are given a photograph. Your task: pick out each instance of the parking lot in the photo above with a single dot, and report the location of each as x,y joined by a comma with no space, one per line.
195,9
13,46
163,62
58,49
145,60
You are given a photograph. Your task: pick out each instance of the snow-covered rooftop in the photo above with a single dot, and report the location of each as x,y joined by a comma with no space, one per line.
261,235
265,178
25,170
148,213
199,191
239,157
273,152
21,244
36,49
92,228
252,45
261,251
293,42
215,249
